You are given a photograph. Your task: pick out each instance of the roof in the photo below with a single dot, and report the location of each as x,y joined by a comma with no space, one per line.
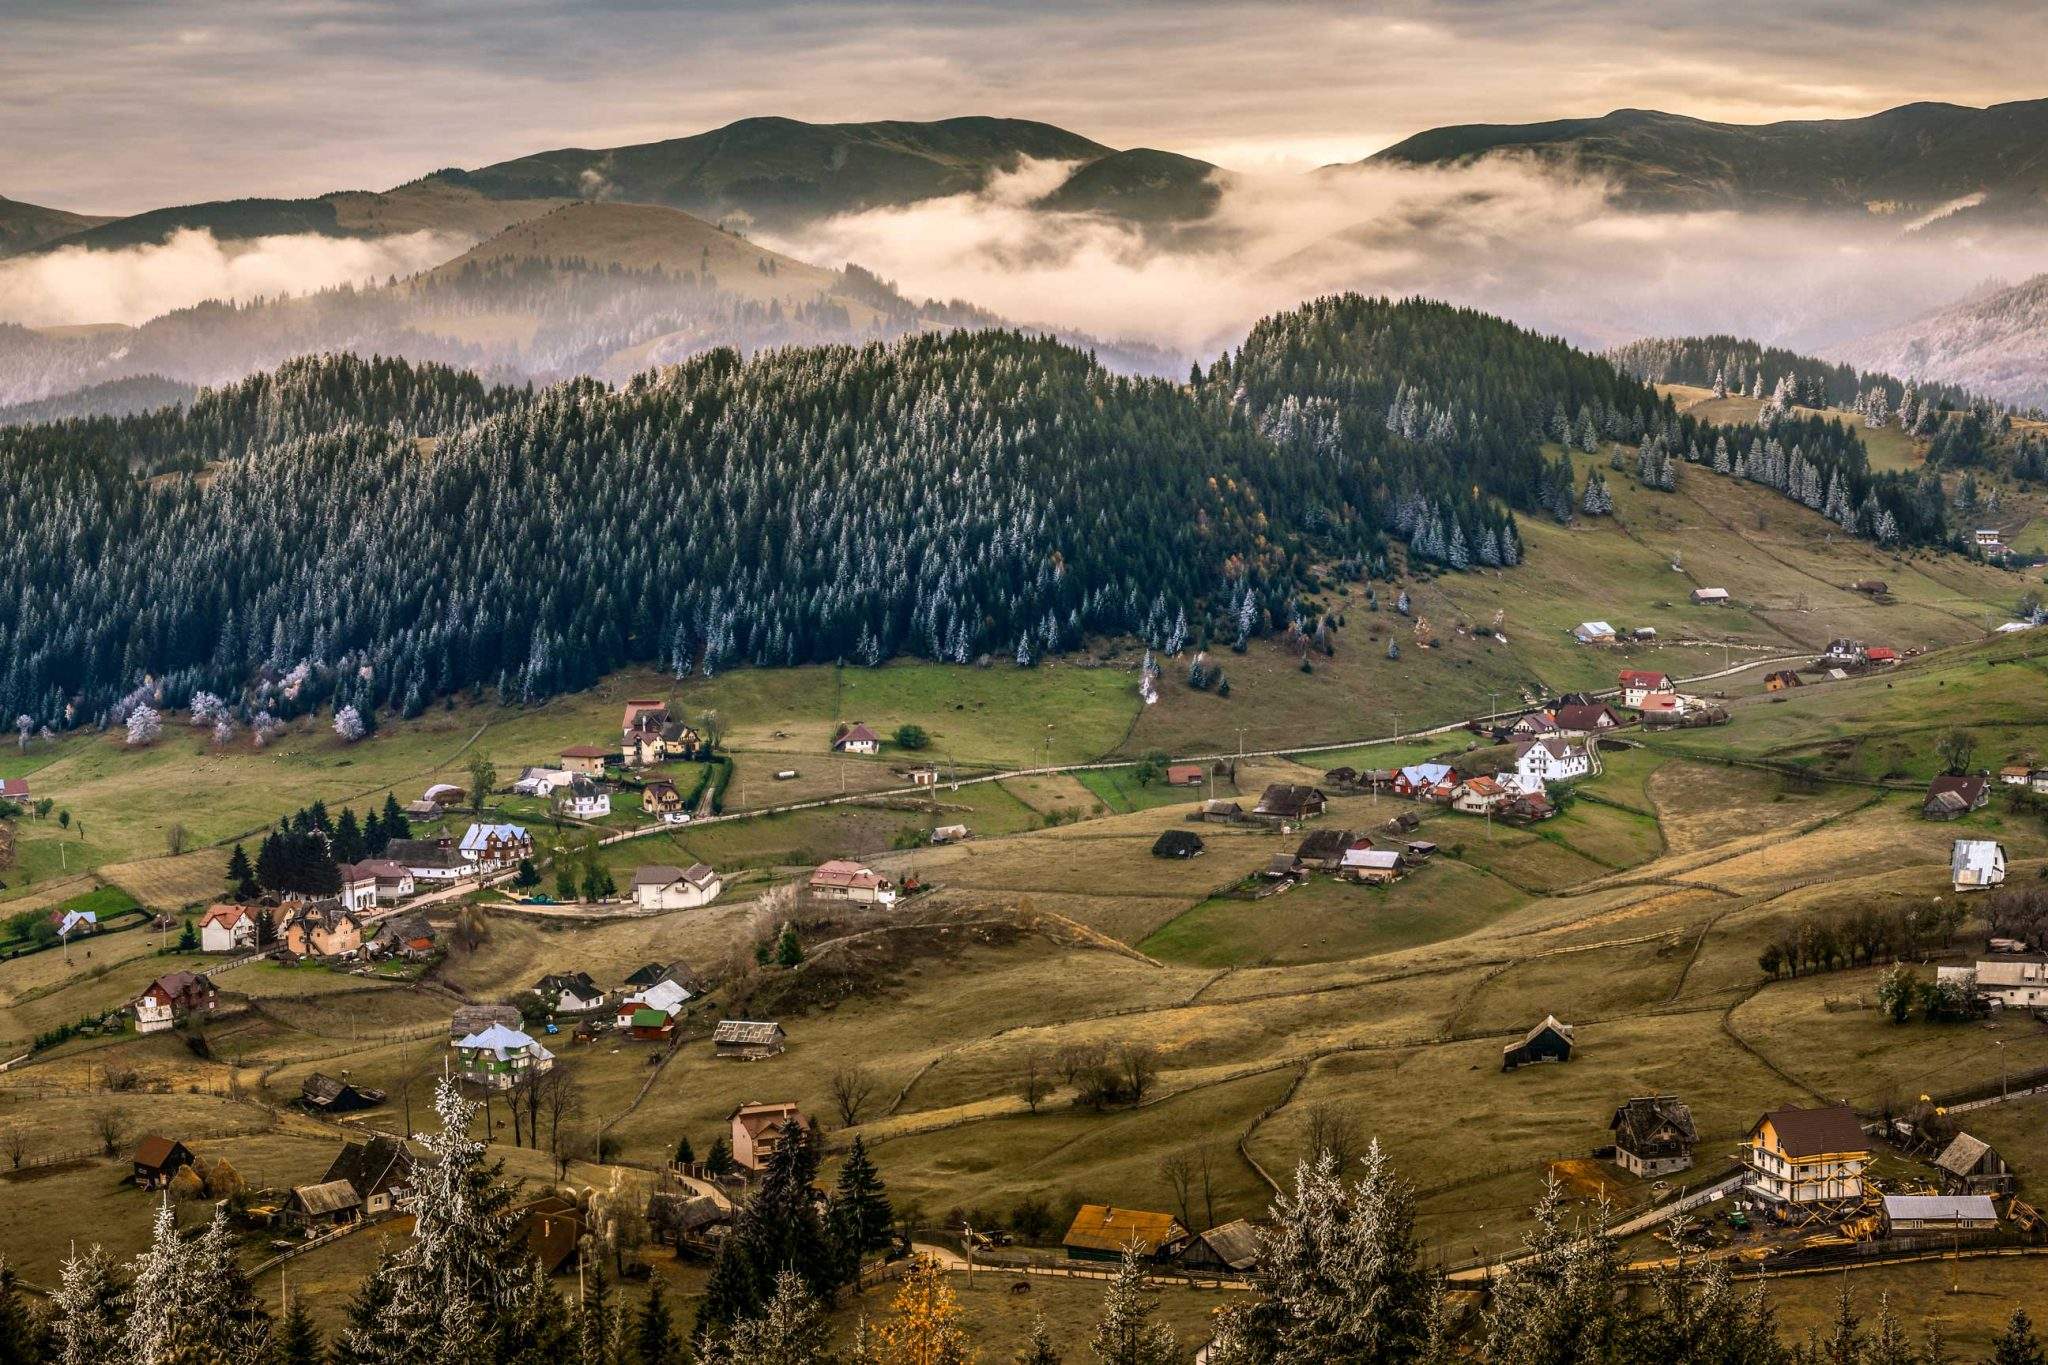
649,974
856,733
1425,774
1941,1208
1963,1154
321,1088
13,788
369,1164
1968,786
646,1017
1659,701
634,708
1812,1132
1550,1024
753,1032
1593,628
587,751
1236,1244
1286,798
1177,841
665,874
1640,1117
1640,677
477,836
422,853
1484,786
1583,715
1981,856
1880,653
1785,675
1559,749
1715,593
229,915
476,1018
1320,844
500,1040
1100,1227
155,1149
578,983
330,1196
1381,858
840,872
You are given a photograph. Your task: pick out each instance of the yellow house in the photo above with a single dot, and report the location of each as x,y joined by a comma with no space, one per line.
1807,1156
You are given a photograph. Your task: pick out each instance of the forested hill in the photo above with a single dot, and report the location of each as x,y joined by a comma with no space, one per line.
948,496
1738,365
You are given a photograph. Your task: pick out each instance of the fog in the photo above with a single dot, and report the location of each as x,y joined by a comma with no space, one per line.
134,284
1549,250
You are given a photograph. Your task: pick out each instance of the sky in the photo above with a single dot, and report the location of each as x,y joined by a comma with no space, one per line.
115,106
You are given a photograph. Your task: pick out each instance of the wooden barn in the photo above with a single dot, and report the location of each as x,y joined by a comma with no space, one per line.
1549,1041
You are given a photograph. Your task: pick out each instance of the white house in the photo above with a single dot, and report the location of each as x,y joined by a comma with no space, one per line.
570,992
1709,597
429,860
2019,982
857,738
1637,683
227,929
542,781
77,922
662,887
667,995
1553,760
840,880
1975,864
1808,1156
358,887
1593,633
585,800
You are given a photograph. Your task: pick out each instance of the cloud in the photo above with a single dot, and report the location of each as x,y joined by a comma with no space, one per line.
1550,250
134,284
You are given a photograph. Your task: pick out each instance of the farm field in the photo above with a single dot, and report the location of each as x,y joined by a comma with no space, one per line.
1636,915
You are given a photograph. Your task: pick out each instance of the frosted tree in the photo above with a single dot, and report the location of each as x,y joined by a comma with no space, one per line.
23,724
1720,383
1177,637
348,723
224,729
264,727
206,709
1597,501
1023,651
790,1331
1127,1334
144,724
87,1311
163,1293
1247,617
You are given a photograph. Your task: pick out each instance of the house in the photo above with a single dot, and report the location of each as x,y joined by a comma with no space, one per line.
662,799
856,739
1942,1215
1374,866
328,1204
1282,867
840,880
491,847
1710,597
1782,680
647,975
159,1158
1418,780
481,1018
1972,1166
553,1228
748,1040
1232,1247
172,998
951,834
1586,717
924,775
570,993
1549,1041
1286,801
227,929
1552,760
1323,850
664,887
640,727
499,1056
71,923
1843,653
583,799
1177,843
758,1129
1987,538
1528,807
588,760
650,1025
1638,683
1593,633
444,794
429,860
320,929
14,789
1880,654
1341,777
2017,981
541,782
1220,812
407,936
2016,775
1871,587
1660,706
1951,796
1186,774
681,741
1807,1156
1417,851
327,1094
1976,864
1100,1232
358,887
394,883
666,994
1478,796
1653,1136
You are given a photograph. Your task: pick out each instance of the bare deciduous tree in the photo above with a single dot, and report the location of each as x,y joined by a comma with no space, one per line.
852,1088
559,1101
1035,1079
110,1126
15,1144
1177,1169
1333,1131
1139,1063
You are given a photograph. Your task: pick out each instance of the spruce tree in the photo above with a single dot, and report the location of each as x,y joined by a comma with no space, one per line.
87,1308
2017,1344
860,1192
654,1334
1038,1348
295,1341
1127,1334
